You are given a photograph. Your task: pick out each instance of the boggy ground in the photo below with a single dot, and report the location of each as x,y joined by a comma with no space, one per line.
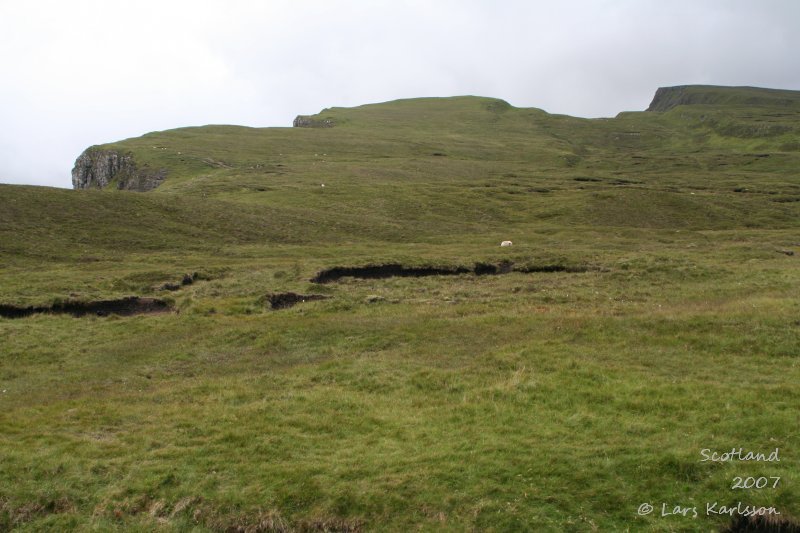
543,400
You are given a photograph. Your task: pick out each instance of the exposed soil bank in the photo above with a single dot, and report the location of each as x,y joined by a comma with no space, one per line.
188,279
551,268
396,270
762,524
131,305
384,271
288,299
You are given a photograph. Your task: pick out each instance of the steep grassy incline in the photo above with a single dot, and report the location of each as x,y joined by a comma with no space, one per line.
408,136
438,167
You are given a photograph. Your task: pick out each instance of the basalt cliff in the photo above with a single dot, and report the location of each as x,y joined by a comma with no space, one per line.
98,168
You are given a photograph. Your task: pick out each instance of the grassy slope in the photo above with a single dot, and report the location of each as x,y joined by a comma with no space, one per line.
527,401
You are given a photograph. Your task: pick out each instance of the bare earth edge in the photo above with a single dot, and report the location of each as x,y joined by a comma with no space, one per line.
134,305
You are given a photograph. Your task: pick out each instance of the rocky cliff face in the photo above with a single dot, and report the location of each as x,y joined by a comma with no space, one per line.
668,97
309,122
97,168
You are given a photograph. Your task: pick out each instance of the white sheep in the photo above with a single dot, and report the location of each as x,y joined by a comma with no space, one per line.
506,243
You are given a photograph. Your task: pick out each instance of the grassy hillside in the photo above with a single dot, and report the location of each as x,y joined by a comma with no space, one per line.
649,311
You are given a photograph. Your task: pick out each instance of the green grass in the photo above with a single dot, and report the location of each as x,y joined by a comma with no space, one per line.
542,401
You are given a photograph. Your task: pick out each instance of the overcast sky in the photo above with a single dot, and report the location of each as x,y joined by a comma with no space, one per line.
76,73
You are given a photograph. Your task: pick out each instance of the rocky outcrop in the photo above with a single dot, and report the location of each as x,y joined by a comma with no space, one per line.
98,168
303,121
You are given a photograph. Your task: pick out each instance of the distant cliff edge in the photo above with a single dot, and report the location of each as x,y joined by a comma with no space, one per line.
668,97
98,168
303,121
